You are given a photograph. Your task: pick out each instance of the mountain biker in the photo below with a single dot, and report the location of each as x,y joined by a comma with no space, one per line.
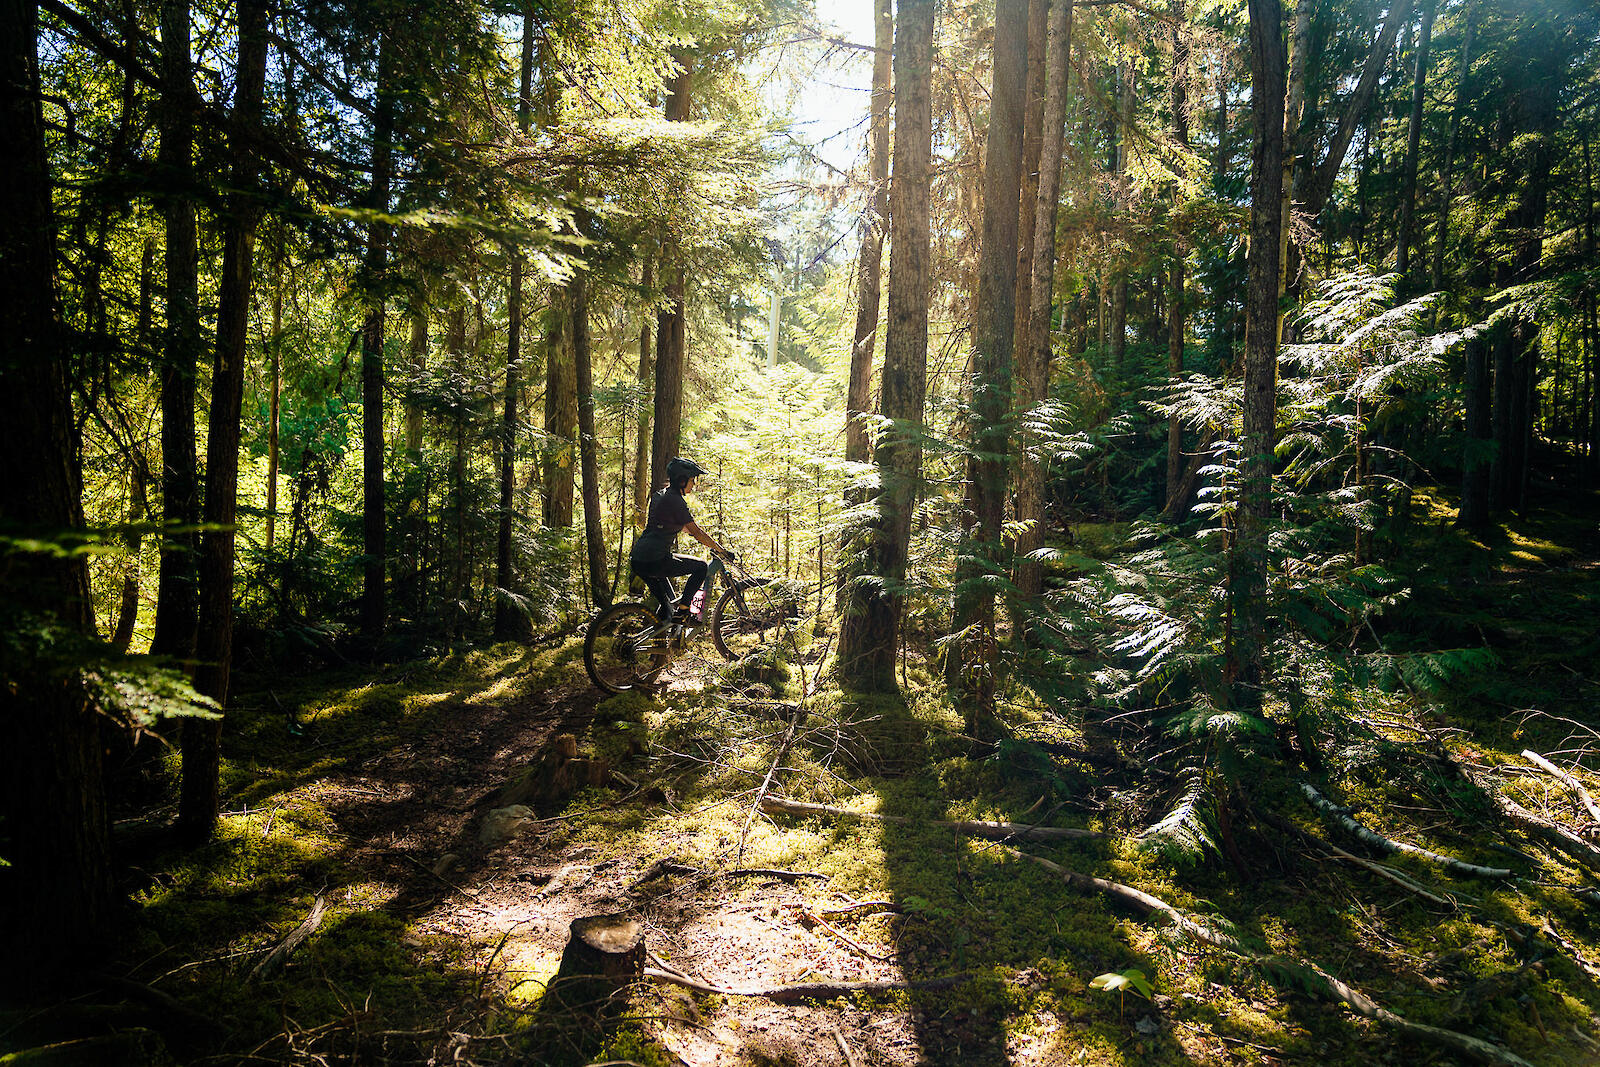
652,557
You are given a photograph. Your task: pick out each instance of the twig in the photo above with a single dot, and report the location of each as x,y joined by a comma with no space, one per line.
846,938
766,783
971,827
776,872
1391,874
1565,779
1384,844
849,1057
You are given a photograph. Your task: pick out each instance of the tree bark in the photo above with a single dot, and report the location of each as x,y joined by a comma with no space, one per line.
1408,187
1175,306
667,420
57,889
177,594
1248,586
560,410
198,802
1033,367
374,599
1447,171
993,330
1032,149
1118,339
275,388
869,630
594,535
874,225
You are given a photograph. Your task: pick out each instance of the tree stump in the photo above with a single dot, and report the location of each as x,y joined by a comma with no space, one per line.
554,777
604,954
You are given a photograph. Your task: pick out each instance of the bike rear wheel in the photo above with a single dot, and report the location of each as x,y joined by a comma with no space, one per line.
746,621
626,648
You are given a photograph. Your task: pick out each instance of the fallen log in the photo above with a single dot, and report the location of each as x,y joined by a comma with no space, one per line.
1384,844
280,953
1565,779
994,831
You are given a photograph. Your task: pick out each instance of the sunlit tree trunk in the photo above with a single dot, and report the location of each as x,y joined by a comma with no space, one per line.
1447,170
560,410
667,420
1033,360
138,473
1118,337
198,802
993,331
646,379
1032,146
1175,307
177,592
56,889
274,387
870,627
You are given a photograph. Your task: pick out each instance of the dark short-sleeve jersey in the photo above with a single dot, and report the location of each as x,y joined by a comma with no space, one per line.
668,514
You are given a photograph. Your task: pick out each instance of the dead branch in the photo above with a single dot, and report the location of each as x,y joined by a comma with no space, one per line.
995,831
808,915
1538,826
789,994
284,949
1390,874
776,872
1565,779
772,771
1385,844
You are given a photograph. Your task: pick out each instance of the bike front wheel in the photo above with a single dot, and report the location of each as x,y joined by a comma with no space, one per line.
626,648
745,621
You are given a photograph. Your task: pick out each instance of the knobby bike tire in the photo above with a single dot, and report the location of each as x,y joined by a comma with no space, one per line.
746,621
625,648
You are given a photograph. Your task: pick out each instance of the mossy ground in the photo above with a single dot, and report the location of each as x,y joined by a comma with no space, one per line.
354,784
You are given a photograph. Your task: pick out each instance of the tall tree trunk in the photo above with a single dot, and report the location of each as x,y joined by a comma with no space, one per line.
1175,308
57,888
1314,185
646,380
1475,468
1033,363
138,473
1032,147
1118,339
508,621
275,387
667,421
1248,585
417,346
177,594
374,601
869,292
1447,171
594,535
560,410
1408,186
198,802
993,330
869,630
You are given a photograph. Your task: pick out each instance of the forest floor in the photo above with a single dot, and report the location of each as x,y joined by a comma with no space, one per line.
359,797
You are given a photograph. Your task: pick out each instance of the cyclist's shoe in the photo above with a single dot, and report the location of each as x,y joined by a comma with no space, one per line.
684,617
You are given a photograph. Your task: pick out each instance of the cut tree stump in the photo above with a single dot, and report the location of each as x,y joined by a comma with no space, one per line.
604,954
550,780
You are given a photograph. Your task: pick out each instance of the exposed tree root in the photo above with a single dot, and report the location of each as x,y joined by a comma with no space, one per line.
1384,844
995,831
789,994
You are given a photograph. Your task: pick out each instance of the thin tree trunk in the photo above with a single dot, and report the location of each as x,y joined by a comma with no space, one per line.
1175,309
874,225
1475,468
198,802
1032,146
1408,187
646,379
374,602
869,630
1033,371
1119,285
138,474
667,423
1247,586
993,330
57,888
593,529
177,594
275,388
1447,171
560,410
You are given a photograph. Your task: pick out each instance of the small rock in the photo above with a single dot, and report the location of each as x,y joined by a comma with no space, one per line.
1146,1026
446,861
502,824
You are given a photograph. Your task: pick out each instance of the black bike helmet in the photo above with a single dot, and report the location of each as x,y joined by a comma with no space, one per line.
681,470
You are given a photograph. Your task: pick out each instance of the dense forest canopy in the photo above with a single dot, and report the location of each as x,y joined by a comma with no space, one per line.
1141,382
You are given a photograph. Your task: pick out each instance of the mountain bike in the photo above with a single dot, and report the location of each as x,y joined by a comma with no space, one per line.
627,648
